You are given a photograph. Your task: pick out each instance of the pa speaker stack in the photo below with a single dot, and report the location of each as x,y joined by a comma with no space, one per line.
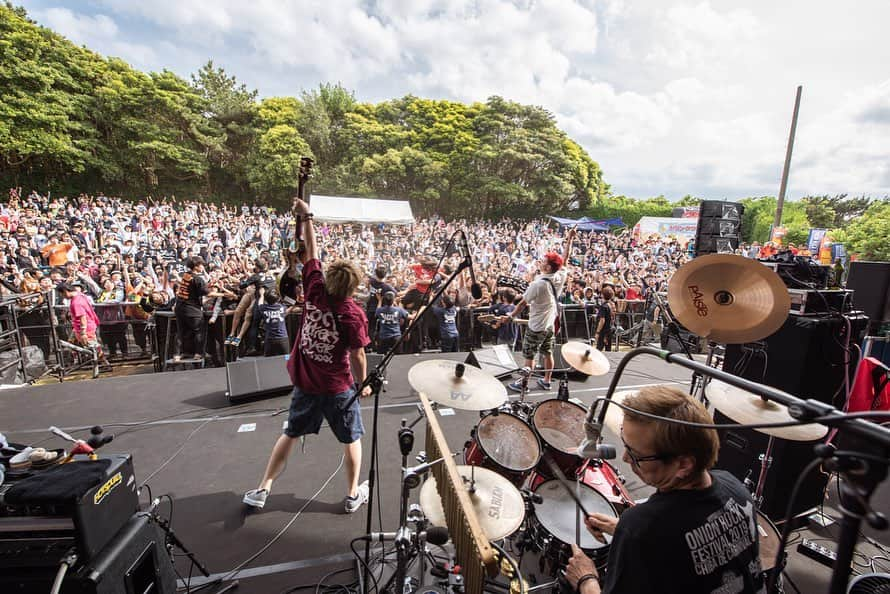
719,228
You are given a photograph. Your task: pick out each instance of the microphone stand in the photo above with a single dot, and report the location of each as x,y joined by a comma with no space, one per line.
862,469
375,381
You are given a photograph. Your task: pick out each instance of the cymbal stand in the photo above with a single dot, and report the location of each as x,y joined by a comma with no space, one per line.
766,460
700,381
375,380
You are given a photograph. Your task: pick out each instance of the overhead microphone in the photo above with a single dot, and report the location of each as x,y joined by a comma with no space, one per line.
475,288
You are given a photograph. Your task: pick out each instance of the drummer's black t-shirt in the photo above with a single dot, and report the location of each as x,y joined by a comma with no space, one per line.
702,541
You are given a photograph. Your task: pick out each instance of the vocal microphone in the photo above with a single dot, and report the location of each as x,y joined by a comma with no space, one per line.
437,535
603,451
475,288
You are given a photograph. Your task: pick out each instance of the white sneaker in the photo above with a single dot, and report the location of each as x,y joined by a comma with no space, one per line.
256,498
351,504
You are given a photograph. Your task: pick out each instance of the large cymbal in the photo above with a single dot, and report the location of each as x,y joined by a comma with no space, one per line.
615,414
457,385
728,299
498,504
745,407
584,358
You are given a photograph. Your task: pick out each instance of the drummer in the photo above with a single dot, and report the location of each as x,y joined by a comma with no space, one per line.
697,533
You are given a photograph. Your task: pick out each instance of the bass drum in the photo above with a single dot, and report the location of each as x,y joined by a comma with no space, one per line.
553,526
770,538
560,425
504,443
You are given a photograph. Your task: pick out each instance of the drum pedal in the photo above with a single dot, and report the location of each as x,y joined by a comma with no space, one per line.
817,552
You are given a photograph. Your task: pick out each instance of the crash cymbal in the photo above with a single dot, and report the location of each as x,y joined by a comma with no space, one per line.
457,385
615,414
728,299
498,504
744,407
584,358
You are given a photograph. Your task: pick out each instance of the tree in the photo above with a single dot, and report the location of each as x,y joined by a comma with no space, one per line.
819,211
274,163
868,234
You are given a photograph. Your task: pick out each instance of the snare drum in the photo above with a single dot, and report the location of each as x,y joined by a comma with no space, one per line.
552,525
504,443
560,425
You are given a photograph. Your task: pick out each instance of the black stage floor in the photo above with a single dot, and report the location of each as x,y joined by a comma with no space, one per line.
188,441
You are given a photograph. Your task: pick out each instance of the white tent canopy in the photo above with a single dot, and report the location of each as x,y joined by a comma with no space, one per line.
338,209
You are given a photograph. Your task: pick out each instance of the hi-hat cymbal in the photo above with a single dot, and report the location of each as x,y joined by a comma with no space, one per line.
728,299
498,504
584,358
744,407
457,385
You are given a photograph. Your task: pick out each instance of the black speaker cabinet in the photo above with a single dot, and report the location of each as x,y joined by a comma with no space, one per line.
805,357
740,451
134,562
259,376
870,282
719,227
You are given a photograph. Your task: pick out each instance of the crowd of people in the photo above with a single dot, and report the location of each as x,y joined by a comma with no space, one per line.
204,261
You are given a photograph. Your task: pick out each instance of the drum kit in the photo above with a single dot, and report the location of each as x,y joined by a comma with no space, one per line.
515,493
518,451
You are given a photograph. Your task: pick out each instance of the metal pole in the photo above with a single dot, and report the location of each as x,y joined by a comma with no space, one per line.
778,220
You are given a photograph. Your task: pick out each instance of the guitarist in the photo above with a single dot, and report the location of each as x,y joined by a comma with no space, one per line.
541,298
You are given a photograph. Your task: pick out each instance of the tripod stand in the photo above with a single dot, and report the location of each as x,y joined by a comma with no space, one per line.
375,381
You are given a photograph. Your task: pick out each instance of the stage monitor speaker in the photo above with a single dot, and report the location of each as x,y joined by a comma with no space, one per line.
806,358
135,561
740,451
258,376
497,360
870,282
719,227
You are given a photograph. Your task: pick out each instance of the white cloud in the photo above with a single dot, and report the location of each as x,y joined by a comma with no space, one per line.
670,96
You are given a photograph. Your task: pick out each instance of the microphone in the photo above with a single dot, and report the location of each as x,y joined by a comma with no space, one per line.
437,535
603,451
475,288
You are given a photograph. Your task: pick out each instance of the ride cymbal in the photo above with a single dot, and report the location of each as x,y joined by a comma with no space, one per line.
728,299
584,358
457,385
498,504
744,407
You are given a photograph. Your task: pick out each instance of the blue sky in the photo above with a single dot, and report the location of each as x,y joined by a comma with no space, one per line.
670,97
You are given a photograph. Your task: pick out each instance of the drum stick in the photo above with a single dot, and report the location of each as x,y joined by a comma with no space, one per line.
557,472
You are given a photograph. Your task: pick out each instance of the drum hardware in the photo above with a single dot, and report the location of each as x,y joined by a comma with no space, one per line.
699,381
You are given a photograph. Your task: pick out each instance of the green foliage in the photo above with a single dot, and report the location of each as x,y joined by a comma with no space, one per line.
868,234
629,210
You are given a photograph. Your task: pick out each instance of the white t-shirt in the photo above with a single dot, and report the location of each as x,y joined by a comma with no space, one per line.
541,300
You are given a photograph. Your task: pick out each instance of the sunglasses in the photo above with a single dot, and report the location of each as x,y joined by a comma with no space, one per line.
636,459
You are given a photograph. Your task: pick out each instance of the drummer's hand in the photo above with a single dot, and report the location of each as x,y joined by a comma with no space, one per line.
579,566
600,524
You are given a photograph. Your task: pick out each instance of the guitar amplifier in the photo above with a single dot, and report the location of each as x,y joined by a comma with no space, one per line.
36,533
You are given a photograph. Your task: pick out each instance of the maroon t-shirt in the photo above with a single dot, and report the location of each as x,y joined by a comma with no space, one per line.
319,361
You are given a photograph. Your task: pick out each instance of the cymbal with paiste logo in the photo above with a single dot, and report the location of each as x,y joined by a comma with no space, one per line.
728,299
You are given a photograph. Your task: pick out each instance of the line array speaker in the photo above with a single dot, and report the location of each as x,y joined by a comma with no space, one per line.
719,227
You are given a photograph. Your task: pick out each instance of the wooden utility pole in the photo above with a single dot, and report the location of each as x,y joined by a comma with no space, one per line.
778,220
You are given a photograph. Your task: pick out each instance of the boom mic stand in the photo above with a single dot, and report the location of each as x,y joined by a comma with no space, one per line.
375,381
862,469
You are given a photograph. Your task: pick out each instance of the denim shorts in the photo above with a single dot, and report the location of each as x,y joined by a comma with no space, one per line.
308,410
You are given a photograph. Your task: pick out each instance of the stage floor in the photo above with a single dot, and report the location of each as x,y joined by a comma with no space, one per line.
189,441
